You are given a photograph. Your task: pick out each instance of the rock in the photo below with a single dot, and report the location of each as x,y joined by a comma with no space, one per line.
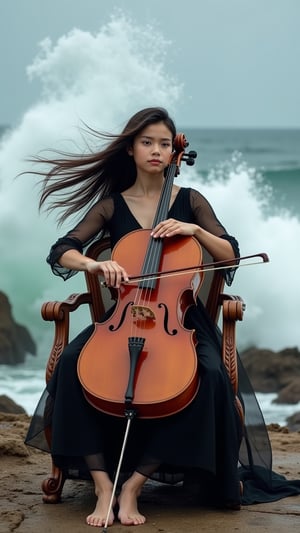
293,422
13,428
9,406
290,393
15,339
274,372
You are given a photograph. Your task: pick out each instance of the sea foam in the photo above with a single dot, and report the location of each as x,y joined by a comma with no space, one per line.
101,79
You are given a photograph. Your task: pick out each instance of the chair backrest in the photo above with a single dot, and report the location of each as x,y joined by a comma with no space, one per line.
102,297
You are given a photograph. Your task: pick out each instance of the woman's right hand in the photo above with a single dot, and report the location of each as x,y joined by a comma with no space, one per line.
113,273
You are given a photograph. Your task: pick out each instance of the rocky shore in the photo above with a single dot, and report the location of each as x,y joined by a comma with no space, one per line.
168,509
276,372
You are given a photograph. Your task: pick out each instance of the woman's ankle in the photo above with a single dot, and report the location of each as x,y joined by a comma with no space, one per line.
102,482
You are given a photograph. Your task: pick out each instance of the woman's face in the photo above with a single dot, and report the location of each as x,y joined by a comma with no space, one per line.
152,148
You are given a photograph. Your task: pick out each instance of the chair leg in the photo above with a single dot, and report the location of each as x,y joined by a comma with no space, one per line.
52,486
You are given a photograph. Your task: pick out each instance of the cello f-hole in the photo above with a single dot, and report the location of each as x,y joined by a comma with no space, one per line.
166,319
123,316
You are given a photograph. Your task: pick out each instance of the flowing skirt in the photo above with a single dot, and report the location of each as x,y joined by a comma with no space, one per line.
204,442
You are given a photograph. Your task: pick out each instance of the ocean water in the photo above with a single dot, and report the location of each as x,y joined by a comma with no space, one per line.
251,177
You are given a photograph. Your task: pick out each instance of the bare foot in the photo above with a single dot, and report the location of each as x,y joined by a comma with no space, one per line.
99,516
128,512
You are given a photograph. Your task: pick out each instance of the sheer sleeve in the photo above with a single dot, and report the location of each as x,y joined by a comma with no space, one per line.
91,227
207,219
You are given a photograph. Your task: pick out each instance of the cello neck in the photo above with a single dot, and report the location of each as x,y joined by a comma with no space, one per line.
154,249
165,196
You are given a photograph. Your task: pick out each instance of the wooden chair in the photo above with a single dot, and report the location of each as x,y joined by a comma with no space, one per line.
100,299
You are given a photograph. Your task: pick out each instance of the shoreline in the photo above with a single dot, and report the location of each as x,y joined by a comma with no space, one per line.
167,510
274,413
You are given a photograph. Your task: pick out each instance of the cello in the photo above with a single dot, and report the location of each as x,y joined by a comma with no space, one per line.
133,362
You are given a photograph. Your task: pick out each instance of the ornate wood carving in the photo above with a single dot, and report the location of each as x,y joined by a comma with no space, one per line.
52,486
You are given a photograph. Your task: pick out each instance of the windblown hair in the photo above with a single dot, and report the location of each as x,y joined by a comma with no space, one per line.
75,181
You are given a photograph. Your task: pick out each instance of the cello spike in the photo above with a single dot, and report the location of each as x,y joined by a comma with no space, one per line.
129,414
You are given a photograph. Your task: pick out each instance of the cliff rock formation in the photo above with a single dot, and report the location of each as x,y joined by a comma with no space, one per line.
15,339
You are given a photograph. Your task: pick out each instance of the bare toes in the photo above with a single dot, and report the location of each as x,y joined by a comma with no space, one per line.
131,520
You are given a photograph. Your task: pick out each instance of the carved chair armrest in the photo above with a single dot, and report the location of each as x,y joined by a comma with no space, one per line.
59,313
232,310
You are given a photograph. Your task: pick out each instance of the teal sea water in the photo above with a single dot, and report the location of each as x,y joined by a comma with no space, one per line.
251,177
273,153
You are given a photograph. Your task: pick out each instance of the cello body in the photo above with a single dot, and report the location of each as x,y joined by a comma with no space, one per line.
161,371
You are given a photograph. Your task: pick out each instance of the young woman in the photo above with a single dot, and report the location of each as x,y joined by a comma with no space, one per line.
118,188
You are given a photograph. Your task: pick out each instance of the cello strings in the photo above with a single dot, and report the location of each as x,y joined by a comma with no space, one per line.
145,291
154,249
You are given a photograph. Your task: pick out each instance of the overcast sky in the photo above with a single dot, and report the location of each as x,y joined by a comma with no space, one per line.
238,59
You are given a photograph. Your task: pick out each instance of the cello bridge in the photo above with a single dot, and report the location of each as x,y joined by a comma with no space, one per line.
142,312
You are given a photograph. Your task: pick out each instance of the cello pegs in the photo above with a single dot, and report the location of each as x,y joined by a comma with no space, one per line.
190,162
190,157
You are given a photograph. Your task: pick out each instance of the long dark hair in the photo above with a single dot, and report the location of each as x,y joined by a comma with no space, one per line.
75,181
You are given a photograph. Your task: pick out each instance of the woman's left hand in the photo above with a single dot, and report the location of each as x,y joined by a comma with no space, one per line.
171,227
220,249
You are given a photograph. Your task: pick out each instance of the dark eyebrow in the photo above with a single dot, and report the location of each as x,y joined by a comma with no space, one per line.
151,138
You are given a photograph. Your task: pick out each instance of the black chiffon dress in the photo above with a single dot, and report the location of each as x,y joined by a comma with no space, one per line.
205,441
